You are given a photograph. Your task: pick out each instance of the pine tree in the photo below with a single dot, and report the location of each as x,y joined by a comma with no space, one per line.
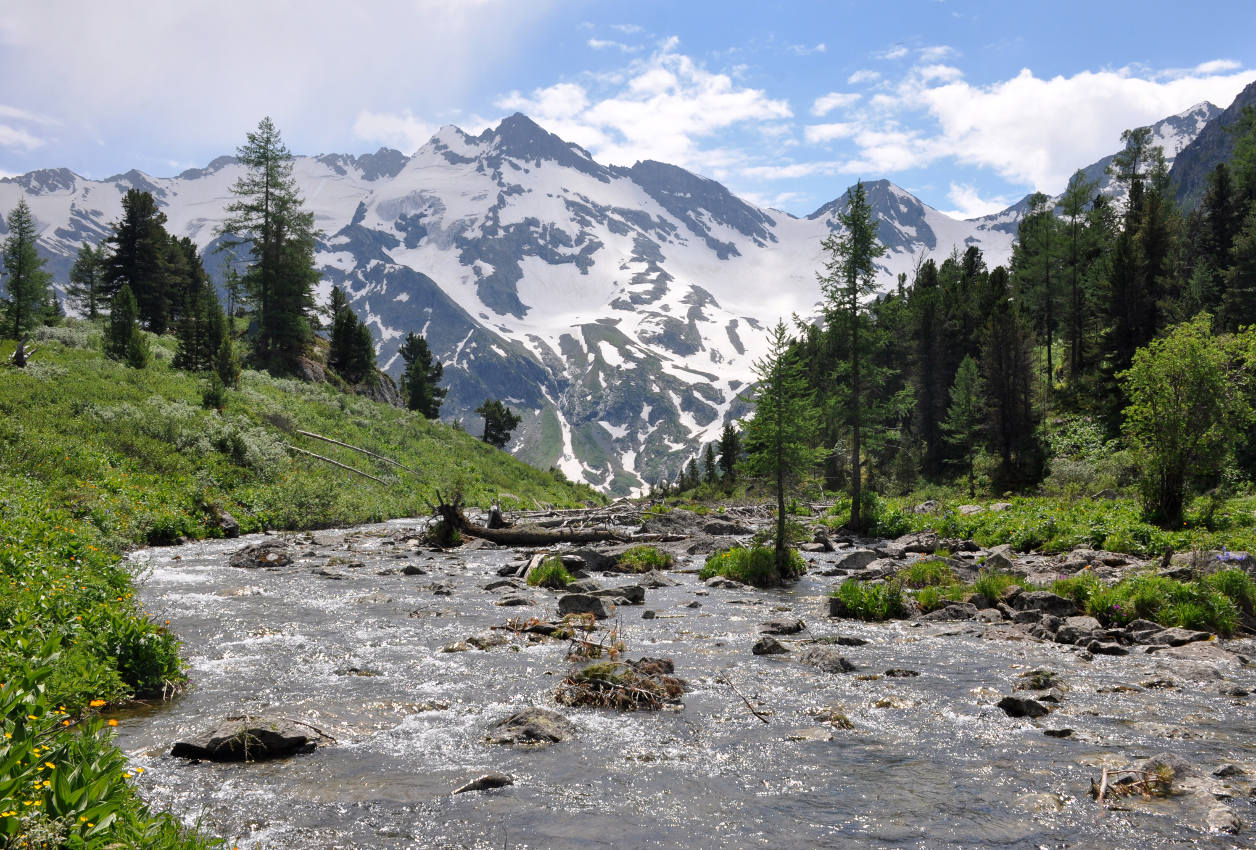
691,477
201,327
140,246
25,281
730,452
964,419
124,340
351,349
420,382
930,337
499,422
782,431
1035,260
709,467
1077,255
269,214
1007,384
85,289
849,277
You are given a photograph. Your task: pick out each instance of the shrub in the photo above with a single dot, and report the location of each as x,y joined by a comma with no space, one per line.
1237,585
931,572
930,598
756,565
873,601
1078,588
991,583
550,573
642,559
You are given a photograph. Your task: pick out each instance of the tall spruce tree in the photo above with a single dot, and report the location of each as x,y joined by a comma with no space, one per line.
124,340
782,431
848,278
730,452
1035,270
499,422
201,328
351,349
269,215
1007,383
709,469
930,339
85,289
964,420
25,291
138,259
1076,258
420,382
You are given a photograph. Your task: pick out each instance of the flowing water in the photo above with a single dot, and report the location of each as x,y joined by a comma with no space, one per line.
930,762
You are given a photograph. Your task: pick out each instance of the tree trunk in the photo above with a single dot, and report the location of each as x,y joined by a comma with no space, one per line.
519,535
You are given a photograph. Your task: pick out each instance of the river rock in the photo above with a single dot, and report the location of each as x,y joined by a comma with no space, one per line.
655,579
1048,603
1222,818
251,738
827,659
268,553
488,641
768,645
1175,637
725,528
1022,707
1105,647
582,603
485,783
856,559
998,562
782,627
584,585
531,727
632,594
1075,629
724,583
227,524
918,542
1174,767
413,570
952,611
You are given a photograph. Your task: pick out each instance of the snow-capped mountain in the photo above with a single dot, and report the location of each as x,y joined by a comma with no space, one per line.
618,309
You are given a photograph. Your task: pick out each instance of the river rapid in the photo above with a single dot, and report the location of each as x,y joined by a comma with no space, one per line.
343,640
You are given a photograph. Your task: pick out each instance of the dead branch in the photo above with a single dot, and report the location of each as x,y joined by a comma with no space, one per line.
759,714
358,449
337,463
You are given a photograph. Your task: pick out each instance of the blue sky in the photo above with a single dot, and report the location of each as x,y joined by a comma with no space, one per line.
967,104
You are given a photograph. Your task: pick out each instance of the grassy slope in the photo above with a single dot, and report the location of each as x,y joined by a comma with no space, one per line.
96,457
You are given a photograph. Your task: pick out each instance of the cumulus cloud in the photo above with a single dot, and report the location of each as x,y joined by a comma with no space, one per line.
863,75
401,130
898,51
662,107
970,204
603,44
833,100
818,134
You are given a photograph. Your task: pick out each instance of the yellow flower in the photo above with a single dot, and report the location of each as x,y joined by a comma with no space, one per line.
97,703
112,722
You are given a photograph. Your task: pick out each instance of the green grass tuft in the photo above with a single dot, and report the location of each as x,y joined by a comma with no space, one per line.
756,565
550,573
643,559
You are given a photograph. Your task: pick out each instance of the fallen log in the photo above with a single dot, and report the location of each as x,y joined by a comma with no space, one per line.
453,516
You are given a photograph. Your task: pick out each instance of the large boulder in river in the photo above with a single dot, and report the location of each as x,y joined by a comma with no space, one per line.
268,553
531,727
826,658
251,738
582,603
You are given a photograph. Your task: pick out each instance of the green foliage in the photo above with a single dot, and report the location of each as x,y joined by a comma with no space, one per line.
757,565
139,260
642,559
351,350
25,281
992,583
927,572
873,601
730,452
550,573
420,383
499,422
1237,585
1188,407
85,289
1212,603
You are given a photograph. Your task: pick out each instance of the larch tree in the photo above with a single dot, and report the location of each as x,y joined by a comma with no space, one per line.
269,215
849,277
782,431
25,283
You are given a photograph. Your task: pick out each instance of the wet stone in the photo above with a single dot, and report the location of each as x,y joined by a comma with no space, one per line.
782,627
1022,707
531,727
582,603
826,658
485,783
251,738
768,645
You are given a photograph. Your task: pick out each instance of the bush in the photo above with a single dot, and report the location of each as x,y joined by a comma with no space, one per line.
873,601
756,565
991,584
931,572
1237,585
550,573
643,559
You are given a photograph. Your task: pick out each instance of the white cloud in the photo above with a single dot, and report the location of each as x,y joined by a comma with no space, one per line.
833,100
969,203
661,107
818,134
628,29
16,137
777,201
863,75
936,53
791,171
804,50
898,51
603,44
1218,66
396,130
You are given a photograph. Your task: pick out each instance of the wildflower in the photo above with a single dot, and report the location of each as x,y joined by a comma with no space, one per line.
97,703
112,722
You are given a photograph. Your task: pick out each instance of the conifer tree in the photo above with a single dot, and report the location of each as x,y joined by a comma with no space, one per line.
849,277
709,466
1007,385
351,349
201,327
730,452
964,419
782,431
420,382
85,289
124,341
691,477
1077,255
499,422
138,259
930,337
25,291
270,216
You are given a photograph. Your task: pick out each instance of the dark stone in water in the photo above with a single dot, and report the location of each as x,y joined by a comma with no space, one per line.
827,659
634,594
1046,602
250,738
953,611
1058,733
582,603
532,726
648,615
782,627
413,570
1022,707
485,783
268,553
900,673
768,645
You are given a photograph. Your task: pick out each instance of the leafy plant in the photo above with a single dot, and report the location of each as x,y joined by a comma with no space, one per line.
873,601
550,573
927,572
756,565
643,559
